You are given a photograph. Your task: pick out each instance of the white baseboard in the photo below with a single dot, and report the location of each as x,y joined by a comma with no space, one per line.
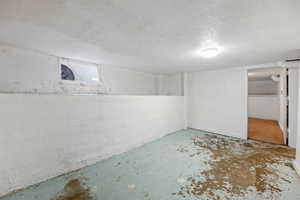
297,167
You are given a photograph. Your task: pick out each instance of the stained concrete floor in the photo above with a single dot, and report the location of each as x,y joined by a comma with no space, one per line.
188,164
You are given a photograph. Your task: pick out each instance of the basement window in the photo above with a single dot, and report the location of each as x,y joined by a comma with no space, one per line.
66,73
79,72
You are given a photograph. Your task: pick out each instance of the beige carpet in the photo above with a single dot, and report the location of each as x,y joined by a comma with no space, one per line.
265,130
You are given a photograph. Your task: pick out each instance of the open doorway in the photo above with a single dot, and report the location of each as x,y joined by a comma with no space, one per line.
267,107
273,104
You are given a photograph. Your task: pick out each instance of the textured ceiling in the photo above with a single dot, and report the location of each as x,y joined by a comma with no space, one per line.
158,36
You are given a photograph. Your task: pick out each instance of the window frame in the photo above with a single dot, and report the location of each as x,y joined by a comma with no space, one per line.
65,61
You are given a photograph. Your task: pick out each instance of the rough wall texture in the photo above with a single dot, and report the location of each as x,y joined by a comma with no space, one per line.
24,71
42,136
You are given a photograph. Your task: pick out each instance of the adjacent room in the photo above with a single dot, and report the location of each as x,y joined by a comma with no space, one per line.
144,100
266,110
272,101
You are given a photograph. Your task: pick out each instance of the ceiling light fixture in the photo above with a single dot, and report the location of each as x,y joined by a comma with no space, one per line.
209,52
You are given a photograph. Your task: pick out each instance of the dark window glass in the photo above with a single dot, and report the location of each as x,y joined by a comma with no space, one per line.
66,73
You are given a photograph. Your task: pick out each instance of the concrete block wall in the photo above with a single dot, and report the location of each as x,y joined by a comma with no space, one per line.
42,136
46,130
24,71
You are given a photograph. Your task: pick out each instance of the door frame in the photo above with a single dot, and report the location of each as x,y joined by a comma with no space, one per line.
293,95
283,97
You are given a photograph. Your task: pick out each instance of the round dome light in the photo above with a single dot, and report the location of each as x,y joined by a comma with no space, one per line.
209,52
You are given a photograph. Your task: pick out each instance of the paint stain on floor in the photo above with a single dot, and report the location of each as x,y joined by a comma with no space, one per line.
74,190
188,164
237,166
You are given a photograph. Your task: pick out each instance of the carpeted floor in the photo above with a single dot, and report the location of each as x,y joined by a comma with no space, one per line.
265,130
188,164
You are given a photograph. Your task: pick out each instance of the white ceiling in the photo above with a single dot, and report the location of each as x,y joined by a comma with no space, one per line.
157,36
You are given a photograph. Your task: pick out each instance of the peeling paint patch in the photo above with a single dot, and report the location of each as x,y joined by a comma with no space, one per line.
237,167
181,180
131,187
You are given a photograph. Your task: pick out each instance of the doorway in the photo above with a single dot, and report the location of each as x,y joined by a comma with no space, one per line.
273,104
267,105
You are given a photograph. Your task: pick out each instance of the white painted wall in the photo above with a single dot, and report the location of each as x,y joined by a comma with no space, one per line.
27,71
127,82
62,132
264,106
42,136
24,71
170,84
217,101
186,98
293,105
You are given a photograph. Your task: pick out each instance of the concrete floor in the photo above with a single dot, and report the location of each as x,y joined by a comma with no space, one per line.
188,165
